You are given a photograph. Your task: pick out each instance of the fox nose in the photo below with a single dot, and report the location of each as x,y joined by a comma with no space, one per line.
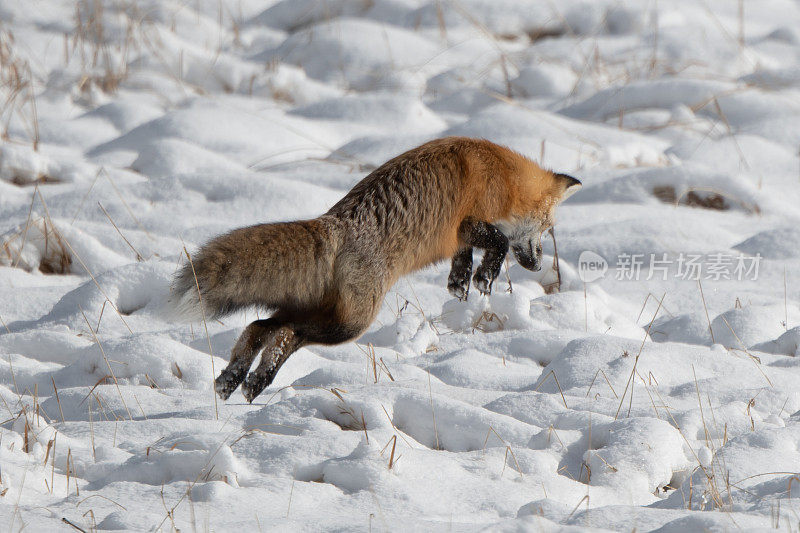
528,255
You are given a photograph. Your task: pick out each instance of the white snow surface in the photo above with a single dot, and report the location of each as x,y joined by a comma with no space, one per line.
134,131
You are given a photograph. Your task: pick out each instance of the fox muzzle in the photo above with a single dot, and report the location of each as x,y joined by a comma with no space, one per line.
528,254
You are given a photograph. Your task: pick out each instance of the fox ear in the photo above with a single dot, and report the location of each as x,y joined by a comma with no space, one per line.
570,184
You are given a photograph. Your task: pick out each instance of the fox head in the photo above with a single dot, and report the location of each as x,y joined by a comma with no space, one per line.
534,213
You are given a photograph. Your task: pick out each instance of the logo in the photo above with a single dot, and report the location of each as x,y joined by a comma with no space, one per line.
591,266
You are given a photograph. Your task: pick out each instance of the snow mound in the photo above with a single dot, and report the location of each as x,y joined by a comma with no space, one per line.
787,344
127,290
745,327
248,135
458,426
675,185
781,243
634,456
576,311
183,458
346,52
482,370
689,329
578,366
662,93
406,113
168,157
760,477
139,360
525,129
544,80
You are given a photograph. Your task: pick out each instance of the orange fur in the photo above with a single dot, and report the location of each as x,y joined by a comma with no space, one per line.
498,184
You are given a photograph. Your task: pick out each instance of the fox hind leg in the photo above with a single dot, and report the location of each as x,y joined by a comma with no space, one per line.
301,330
286,340
254,337
344,317
283,343
460,273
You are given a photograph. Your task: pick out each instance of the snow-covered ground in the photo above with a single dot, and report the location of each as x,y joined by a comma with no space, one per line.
651,392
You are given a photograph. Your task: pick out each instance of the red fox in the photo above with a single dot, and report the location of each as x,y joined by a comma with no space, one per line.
325,278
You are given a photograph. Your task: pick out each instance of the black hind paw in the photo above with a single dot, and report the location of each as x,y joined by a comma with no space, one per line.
255,384
228,381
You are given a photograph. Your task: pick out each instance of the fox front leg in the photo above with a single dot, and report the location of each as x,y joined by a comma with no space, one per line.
495,245
460,272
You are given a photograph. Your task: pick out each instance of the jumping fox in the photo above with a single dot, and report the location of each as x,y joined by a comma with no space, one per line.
325,278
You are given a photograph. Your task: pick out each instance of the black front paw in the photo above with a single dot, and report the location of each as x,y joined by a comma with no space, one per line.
460,272
458,284
483,281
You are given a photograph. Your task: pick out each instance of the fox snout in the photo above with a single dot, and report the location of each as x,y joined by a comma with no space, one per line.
528,254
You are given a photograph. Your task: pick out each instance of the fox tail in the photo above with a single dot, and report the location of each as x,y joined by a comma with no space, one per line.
286,264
